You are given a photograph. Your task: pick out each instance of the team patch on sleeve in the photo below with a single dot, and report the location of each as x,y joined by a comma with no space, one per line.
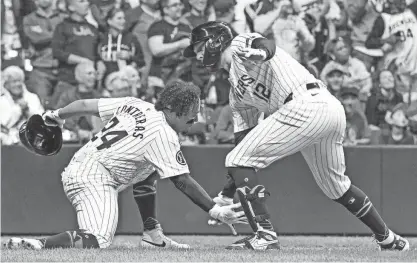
180,158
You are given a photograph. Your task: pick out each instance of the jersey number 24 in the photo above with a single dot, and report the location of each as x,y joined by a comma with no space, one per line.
108,138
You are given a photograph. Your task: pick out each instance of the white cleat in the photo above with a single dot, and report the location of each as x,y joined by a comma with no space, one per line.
399,243
156,239
23,243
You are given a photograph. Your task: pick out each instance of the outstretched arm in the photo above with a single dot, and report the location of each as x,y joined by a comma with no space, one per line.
193,190
78,108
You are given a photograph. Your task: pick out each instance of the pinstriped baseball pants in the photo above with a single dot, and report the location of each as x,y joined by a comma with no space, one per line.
93,194
313,123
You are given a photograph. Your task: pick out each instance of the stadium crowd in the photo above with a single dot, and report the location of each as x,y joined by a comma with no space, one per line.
57,51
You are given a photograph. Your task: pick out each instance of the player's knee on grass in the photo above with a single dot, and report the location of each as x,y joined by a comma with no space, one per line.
70,239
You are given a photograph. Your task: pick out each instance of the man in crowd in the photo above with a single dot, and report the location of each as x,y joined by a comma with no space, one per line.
16,104
74,41
356,73
167,38
382,99
357,130
39,27
395,33
85,75
362,15
138,21
200,13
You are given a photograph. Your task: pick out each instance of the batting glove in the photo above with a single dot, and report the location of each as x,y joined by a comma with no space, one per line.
51,118
226,214
252,54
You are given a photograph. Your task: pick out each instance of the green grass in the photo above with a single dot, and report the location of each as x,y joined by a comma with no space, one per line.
211,248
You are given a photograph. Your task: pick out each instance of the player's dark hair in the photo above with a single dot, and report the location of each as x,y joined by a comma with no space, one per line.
179,97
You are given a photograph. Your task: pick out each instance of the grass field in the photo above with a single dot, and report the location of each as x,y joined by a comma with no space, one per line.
211,248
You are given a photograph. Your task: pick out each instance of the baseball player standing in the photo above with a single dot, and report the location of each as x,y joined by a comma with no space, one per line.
301,116
138,140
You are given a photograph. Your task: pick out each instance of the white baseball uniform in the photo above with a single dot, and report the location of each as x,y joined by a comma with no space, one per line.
405,51
313,122
136,141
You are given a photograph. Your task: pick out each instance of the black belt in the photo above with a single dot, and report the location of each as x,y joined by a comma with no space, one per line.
309,86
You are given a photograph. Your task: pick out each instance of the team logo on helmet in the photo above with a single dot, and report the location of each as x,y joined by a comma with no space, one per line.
180,158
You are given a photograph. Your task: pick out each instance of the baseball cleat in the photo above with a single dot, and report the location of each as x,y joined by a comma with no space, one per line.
23,243
155,238
399,243
261,240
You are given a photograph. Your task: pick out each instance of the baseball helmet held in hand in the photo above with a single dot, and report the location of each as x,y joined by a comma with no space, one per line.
39,138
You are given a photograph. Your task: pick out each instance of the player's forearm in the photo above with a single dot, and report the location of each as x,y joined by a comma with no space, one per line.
78,108
193,190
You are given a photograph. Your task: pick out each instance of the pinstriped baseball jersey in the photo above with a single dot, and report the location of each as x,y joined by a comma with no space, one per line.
312,123
405,51
136,141
262,87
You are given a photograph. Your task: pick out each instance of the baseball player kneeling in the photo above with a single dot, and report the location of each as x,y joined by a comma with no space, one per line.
139,140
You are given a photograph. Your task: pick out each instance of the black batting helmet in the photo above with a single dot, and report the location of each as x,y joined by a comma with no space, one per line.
217,36
40,138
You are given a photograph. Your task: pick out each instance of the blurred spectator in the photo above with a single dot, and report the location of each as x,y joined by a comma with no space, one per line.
224,10
395,34
39,27
138,21
200,13
357,130
74,41
398,122
411,114
117,85
118,48
362,14
382,99
100,10
132,76
321,18
223,132
16,104
334,79
357,74
11,32
85,75
267,12
292,35
167,39
217,93
244,15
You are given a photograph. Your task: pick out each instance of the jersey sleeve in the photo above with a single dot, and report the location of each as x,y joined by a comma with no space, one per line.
244,40
107,106
166,155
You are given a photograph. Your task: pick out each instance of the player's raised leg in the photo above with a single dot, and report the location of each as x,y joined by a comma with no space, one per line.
144,193
327,162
